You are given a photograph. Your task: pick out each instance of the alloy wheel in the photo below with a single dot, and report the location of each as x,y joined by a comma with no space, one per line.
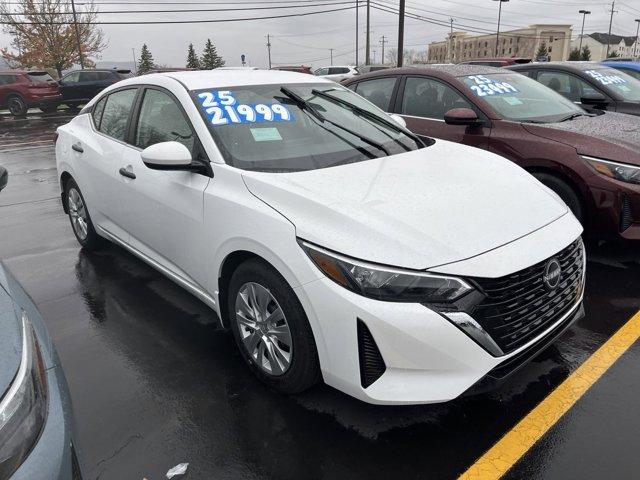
16,106
78,214
263,328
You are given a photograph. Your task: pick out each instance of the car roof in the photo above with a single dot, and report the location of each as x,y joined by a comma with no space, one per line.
572,66
631,65
438,70
22,72
200,79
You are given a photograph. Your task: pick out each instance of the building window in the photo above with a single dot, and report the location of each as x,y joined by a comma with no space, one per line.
550,39
550,49
509,51
486,44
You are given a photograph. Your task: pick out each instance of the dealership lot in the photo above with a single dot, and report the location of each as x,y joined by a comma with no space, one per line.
155,381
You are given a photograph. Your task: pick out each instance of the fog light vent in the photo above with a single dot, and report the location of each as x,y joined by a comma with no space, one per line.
372,365
626,218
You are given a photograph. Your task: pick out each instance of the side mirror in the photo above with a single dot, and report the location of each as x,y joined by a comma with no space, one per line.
4,178
167,156
398,119
594,99
462,116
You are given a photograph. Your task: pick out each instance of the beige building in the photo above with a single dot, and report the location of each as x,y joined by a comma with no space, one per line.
597,43
524,43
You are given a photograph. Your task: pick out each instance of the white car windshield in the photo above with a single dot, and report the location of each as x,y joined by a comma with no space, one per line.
516,97
299,127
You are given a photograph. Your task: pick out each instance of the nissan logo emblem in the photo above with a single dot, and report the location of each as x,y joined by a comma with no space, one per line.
551,275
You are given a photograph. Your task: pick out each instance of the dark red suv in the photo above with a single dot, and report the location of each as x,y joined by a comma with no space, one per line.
21,90
590,159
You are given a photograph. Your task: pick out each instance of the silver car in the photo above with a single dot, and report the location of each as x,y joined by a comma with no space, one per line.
36,422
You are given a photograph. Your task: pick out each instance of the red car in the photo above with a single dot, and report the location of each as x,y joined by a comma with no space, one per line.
590,159
21,90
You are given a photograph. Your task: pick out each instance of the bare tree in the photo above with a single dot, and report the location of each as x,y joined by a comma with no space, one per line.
44,35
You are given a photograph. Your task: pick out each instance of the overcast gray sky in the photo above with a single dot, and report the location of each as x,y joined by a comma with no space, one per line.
308,39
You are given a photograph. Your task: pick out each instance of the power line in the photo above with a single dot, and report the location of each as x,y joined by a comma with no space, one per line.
192,10
165,22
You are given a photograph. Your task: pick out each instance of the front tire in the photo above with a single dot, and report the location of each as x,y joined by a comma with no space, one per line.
271,328
17,106
564,191
80,219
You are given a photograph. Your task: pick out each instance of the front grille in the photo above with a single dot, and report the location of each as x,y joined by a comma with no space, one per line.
519,307
626,218
372,365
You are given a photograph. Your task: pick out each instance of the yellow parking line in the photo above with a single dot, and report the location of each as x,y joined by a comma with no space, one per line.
510,448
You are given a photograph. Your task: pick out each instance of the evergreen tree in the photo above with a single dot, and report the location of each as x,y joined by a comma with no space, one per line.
192,59
574,55
613,54
542,50
146,61
586,54
210,58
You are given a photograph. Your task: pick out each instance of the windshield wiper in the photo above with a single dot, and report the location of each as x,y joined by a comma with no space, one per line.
572,116
307,106
370,115
302,103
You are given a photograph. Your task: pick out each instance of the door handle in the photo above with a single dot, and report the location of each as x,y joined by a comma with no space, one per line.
126,173
77,147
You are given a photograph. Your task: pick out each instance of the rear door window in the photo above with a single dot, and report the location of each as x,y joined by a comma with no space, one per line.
428,98
89,76
567,85
115,116
338,70
378,91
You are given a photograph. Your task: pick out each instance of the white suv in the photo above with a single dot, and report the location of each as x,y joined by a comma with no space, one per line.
336,73
334,243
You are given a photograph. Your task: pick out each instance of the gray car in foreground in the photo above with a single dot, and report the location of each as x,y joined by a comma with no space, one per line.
36,422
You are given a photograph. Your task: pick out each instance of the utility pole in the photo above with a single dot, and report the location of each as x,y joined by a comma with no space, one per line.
451,42
135,61
613,5
374,56
637,31
400,33
331,52
584,15
269,49
75,24
367,59
498,30
357,21
382,42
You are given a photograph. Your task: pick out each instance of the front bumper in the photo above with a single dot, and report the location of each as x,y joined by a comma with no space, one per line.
616,210
53,457
428,359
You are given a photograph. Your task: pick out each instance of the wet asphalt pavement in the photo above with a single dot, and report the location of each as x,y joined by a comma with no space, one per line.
156,382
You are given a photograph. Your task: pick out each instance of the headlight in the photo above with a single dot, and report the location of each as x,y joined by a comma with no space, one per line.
385,283
619,171
23,409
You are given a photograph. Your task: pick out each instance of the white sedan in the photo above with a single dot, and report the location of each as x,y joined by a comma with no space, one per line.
336,73
335,244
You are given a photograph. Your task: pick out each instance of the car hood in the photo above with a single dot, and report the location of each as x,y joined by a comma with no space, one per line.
611,136
418,210
10,340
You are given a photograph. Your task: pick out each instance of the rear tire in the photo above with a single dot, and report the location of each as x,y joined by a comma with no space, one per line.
564,191
279,346
17,106
80,219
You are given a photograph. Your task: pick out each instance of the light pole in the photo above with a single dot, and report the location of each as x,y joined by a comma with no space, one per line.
135,61
584,15
498,30
331,51
400,32
637,31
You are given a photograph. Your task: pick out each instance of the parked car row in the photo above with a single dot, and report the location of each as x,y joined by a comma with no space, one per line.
335,243
21,90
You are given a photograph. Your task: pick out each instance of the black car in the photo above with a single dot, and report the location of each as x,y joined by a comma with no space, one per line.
80,86
588,83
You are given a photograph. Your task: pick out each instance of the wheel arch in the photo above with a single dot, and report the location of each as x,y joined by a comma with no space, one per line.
65,176
561,172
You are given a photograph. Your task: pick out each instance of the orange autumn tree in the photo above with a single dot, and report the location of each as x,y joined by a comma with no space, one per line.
44,35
